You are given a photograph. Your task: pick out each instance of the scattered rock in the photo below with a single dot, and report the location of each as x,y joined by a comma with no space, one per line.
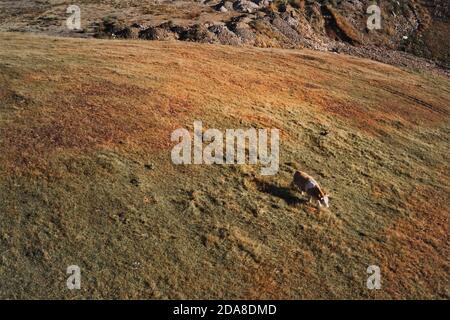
198,33
225,36
135,182
262,3
128,33
157,33
245,6
228,5
284,28
243,31
149,166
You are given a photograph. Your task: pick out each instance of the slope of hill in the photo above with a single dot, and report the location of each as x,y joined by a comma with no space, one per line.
413,26
86,177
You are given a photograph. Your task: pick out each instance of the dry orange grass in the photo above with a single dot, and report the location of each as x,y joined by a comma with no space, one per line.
422,242
86,176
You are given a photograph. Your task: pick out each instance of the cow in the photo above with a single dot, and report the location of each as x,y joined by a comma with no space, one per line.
306,184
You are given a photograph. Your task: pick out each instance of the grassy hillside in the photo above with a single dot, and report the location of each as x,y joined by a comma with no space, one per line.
86,176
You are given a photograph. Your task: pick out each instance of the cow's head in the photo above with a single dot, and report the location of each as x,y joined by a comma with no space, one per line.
324,200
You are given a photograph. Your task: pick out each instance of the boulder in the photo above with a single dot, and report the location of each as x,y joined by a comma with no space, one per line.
157,33
224,6
246,6
225,36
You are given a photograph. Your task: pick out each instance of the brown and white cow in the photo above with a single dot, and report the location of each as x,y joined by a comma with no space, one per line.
308,185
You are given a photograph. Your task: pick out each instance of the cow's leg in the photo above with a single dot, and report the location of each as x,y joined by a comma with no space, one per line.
292,185
319,205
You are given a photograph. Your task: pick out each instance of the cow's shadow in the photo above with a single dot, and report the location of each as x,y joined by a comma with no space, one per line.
285,193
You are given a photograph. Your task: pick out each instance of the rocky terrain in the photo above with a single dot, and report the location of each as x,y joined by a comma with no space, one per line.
408,26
